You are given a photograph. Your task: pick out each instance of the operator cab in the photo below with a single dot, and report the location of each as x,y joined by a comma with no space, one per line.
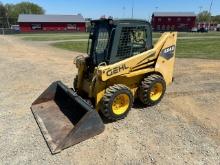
111,41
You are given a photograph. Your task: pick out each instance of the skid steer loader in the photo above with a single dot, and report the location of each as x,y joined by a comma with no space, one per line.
123,65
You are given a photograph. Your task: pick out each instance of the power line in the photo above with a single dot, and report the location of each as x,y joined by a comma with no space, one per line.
210,8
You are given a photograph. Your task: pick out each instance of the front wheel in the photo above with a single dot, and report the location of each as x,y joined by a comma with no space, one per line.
152,90
117,102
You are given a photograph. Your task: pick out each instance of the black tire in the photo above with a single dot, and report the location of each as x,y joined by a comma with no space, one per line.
146,86
109,98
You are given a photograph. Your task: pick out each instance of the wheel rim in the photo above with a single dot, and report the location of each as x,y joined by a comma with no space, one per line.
120,104
156,91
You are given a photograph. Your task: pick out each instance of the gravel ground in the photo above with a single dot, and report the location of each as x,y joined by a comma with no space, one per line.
183,129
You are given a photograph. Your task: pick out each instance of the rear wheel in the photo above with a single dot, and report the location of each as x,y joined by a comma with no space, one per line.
116,102
152,90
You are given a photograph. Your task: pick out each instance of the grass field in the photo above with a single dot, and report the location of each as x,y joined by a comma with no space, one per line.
72,46
74,36
53,36
50,34
187,34
189,45
199,48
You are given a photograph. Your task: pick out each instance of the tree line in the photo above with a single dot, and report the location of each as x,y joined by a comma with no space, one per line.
9,12
206,16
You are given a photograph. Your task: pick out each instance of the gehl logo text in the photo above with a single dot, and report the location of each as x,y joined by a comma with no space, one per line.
116,70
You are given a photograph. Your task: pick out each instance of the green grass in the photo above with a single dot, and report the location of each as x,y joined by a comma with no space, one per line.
73,36
186,34
72,46
202,46
186,48
50,34
199,48
54,37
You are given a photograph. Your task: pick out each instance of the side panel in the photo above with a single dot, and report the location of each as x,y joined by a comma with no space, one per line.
127,66
166,59
99,92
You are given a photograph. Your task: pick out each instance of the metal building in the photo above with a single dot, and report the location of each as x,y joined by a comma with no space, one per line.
45,23
173,21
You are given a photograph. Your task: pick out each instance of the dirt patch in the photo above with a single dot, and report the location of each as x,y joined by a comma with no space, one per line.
183,129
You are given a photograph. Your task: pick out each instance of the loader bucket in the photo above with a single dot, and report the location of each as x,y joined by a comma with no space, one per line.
64,118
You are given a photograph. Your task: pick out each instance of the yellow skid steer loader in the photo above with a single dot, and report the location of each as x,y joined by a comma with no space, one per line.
123,65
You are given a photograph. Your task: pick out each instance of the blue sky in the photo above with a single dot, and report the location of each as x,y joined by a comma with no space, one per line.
121,8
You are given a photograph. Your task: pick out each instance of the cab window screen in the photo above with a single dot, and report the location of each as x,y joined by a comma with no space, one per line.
132,41
102,40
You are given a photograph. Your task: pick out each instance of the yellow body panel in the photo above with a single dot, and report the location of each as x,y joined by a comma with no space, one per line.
130,71
164,66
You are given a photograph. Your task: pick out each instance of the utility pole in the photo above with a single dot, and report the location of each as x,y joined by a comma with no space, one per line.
7,14
200,9
132,9
210,8
123,8
210,11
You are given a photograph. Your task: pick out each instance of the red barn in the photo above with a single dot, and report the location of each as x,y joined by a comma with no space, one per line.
45,23
173,21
